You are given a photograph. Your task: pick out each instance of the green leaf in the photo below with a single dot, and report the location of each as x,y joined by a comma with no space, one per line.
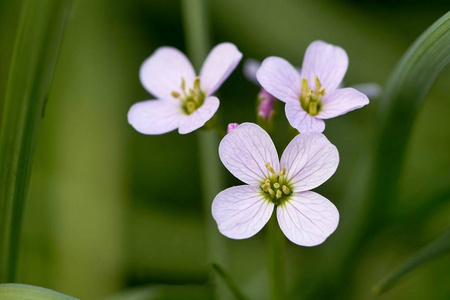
35,52
13,291
438,247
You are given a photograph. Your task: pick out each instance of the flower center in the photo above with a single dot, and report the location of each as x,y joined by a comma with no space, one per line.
276,188
191,99
310,99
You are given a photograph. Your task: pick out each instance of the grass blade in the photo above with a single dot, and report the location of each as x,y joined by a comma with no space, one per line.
14,291
230,283
35,52
438,247
405,92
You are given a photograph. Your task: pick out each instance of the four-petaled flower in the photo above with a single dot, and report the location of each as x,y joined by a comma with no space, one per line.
184,100
313,95
305,217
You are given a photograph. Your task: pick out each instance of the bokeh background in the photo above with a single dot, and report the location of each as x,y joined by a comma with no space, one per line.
111,210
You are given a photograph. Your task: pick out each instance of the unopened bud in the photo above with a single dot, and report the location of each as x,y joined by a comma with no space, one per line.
231,127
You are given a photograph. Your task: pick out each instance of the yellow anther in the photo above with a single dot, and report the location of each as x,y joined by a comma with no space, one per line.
276,185
304,85
317,82
271,192
269,167
175,94
279,194
183,84
266,186
282,172
197,83
286,190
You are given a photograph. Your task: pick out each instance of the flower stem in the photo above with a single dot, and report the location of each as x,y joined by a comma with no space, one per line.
276,260
197,43
39,37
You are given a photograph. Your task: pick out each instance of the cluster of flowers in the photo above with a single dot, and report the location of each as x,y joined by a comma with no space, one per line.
312,95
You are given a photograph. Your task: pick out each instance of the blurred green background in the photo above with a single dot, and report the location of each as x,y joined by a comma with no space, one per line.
110,209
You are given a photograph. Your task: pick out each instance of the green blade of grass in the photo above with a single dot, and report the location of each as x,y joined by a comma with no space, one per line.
14,291
436,248
230,282
39,36
404,95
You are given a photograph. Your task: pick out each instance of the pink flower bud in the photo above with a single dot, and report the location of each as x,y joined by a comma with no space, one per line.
231,127
265,108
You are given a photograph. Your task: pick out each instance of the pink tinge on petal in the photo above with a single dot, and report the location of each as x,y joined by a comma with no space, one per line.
280,78
241,211
231,127
199,117
155,116
310,160
265,107
307,218
301,120
326,61
220,63
162,72
340,102
245,152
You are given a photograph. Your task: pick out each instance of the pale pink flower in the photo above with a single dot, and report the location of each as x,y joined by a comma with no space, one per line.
184,101
231,127
313,95
305,217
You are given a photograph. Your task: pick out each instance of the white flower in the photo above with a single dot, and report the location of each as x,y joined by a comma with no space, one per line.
184,101
313,95
305,217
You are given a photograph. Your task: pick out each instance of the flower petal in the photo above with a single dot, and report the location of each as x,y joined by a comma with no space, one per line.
340,102
370,89
221,61
155,116
241,211
301,120
251,66
327,61
307,218
199,117
280,78
310,160
161,73
245,152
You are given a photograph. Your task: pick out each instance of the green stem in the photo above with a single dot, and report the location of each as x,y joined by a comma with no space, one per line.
39,36
212,181
276,260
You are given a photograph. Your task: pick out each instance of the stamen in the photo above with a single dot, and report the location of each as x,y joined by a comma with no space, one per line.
271,192
282,172
276,185
317,82
286,190
175,94
197,83
304,85
183,84
279,194
269,167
